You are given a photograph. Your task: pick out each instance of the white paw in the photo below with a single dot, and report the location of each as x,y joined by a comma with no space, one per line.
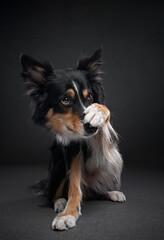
60,205
117,196
63,222
95,116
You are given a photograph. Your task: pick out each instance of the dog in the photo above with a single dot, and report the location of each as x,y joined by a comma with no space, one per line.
86,163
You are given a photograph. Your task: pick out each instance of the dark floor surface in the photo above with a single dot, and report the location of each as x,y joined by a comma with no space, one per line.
141,217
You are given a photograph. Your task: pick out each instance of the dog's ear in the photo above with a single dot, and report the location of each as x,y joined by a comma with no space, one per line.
91,66
92,63
35,74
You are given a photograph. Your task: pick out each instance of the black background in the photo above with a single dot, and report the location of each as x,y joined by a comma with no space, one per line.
131,34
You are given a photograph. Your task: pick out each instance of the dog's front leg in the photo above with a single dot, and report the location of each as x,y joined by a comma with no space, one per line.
67,218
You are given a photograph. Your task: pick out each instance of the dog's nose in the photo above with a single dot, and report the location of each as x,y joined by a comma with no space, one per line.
89,129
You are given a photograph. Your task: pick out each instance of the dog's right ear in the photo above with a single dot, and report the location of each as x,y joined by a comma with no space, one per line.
35,74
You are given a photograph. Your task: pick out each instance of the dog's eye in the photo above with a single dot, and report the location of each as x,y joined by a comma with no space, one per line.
66,101
89,97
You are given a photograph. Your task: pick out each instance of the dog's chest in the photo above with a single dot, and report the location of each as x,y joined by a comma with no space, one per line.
96,173
96,159
95,165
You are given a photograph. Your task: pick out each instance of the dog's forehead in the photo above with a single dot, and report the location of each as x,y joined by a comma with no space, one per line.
66,79
79,80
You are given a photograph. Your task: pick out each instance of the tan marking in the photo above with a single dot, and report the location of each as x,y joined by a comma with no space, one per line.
59,192
74,193
54,121
57,121
40,69
104,110
85,93
92,66
71,92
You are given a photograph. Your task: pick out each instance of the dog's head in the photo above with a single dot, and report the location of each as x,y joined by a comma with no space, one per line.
61,96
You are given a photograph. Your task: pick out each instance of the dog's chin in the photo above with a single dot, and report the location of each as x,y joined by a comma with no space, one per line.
86,135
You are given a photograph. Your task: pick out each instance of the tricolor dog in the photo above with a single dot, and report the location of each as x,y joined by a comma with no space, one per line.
85,160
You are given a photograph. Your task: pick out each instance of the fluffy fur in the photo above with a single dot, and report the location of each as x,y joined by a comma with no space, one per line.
85,160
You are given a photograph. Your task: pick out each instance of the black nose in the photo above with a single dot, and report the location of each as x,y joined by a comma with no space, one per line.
89,129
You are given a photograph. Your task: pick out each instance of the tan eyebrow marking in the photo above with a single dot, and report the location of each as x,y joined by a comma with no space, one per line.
85,93
71,92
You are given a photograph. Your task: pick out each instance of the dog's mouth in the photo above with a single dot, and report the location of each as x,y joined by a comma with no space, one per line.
90,130
87,132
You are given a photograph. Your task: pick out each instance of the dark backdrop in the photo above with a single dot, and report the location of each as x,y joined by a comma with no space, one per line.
131,34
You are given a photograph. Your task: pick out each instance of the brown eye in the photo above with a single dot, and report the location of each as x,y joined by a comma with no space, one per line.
89,97
66,101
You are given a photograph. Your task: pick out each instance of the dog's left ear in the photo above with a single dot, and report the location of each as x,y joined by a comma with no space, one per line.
92,63
91,66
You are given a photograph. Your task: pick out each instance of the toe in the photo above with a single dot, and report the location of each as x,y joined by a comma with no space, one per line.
63,222
117,196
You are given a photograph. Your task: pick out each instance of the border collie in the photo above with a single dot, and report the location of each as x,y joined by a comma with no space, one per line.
86,163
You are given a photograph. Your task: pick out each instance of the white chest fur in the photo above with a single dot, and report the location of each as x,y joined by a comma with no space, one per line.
102,173
97,159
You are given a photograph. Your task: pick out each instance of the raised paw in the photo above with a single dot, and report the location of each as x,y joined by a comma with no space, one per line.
96,115
63,222
60,205
117,196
